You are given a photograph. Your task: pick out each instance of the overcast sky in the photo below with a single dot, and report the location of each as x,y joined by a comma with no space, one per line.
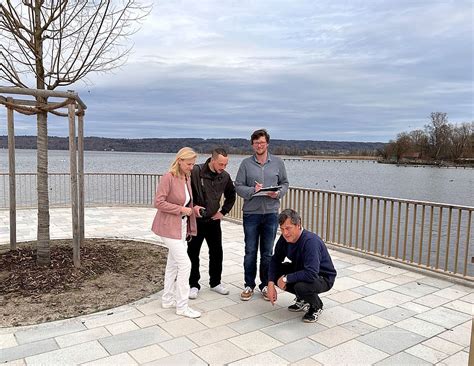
358,70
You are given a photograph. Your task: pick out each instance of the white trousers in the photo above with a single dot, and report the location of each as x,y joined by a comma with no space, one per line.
178,268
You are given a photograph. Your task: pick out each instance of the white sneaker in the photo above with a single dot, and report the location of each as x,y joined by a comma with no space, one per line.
188,312
170,305
193,293
220,289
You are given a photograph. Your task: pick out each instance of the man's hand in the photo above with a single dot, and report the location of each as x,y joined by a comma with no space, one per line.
273,194
217,216
258,186
281,284
271,292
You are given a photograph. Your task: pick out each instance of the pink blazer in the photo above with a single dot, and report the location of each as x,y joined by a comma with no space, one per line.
169,200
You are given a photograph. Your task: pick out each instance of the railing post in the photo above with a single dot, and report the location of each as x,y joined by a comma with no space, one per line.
11,171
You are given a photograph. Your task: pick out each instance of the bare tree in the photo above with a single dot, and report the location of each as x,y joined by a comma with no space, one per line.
438,132
460,139
48,44
420,142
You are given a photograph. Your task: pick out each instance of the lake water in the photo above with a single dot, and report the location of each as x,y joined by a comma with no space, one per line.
444,185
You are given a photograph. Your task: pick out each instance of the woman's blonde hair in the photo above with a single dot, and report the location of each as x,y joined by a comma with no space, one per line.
183,154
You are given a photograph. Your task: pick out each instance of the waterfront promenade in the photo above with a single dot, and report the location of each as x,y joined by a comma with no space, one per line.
375,314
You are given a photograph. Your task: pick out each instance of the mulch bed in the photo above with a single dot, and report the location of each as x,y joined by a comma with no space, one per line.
112,273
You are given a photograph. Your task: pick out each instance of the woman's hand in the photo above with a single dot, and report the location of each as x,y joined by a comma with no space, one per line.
186,211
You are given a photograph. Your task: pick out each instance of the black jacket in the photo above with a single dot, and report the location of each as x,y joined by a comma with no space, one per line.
208,188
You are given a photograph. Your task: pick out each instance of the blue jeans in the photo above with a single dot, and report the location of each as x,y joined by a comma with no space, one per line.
258,229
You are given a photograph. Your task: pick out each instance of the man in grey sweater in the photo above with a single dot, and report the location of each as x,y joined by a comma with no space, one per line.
260,210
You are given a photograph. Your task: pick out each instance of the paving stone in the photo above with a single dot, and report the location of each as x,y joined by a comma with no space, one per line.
415,289
443,345
121,327
216,318
215,304
182,326
337,316
255,342
251,324
222,352
292,330
421,327
7,341
404,359
382,285
347,283
345,296
363,307
400,279
371,276
445,317
461,306
48,330
334,336
431,300
19,362
364,290
29,349
416,308
394,271
125,342
389,298
299,349
396,314
460,358
120,359
306,362
376,321
359,327
148,320
111,317
460,335
77,354
148,353
450,293
213,335
247,309
427,353
81,337
350,353
177,345
265,358
391,339
282,315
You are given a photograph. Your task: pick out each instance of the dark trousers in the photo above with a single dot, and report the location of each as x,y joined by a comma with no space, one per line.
259,232
306,291
211,231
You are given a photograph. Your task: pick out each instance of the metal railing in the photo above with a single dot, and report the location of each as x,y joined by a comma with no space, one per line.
426,235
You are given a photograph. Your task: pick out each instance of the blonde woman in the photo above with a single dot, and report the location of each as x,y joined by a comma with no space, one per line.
175,220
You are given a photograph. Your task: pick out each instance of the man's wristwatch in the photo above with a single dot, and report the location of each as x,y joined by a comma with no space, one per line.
285,279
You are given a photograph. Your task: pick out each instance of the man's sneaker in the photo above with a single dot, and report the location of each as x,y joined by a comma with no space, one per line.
188,312
299,305
264,292
170,305
247,294
220,289
312,315
193,293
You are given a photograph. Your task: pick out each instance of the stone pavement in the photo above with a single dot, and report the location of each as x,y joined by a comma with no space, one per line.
375,314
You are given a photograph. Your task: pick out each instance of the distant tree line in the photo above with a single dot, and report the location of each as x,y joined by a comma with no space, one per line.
233,146
439,141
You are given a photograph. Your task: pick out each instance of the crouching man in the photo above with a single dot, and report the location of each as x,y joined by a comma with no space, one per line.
301,265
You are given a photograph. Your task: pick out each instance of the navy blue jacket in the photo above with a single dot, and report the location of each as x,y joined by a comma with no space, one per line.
309,259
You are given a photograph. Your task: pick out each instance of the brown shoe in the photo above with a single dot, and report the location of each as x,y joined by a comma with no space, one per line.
264,292
247,294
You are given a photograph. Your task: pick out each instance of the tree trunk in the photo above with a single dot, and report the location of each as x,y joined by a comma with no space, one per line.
43,250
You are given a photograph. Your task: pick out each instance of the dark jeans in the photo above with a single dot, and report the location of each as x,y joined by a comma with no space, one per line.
211,231
260,231
306,291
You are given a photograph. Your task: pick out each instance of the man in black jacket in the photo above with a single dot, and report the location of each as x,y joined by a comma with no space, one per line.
209,182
